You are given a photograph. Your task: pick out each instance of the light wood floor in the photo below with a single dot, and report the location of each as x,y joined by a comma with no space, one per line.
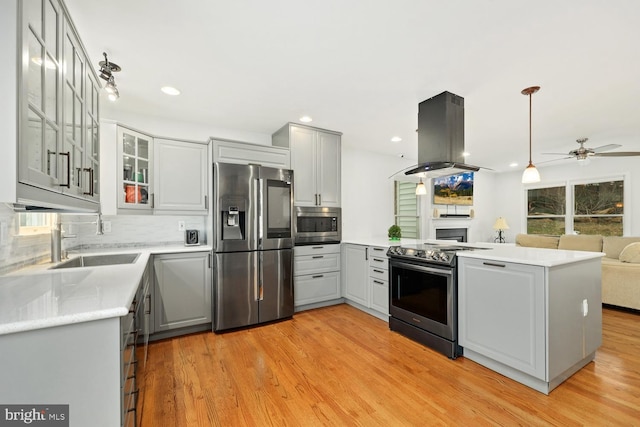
340,366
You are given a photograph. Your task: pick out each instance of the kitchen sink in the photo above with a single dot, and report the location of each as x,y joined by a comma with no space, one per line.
98,260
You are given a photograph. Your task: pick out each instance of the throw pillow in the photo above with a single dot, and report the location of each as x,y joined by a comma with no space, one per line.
631,253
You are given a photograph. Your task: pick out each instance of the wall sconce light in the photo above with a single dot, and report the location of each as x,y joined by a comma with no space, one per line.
500,225
106,73
421,189
530,174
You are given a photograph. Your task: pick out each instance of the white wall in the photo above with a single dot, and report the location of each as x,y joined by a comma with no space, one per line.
367,192
569,171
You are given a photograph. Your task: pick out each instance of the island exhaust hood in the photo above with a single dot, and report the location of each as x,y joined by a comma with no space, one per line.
441,137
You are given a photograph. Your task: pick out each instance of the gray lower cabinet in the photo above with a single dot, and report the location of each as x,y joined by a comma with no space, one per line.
182,290
535,324
365,281
355,278
316,275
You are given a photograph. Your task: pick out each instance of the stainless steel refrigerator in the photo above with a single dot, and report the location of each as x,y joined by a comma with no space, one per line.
253,245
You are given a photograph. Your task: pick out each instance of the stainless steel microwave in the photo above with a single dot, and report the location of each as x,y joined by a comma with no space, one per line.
316,225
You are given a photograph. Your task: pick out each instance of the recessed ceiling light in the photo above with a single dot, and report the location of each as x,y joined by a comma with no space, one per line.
396,139
170,90
513,165
306,119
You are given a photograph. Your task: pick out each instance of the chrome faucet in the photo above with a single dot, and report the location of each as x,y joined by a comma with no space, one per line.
56,240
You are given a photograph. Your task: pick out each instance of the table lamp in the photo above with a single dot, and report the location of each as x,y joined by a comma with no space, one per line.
500,225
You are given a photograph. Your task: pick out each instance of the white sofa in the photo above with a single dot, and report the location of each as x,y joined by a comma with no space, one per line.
620,265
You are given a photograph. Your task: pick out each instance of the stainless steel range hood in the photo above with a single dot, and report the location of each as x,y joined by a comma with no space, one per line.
441,137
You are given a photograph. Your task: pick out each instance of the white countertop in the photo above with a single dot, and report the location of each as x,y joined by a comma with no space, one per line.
493,251
530,256
36,297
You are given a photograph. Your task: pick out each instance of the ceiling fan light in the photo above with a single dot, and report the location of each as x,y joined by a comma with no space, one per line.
584,161
530,175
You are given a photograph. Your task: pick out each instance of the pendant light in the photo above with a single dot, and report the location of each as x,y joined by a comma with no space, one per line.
421,189
530,174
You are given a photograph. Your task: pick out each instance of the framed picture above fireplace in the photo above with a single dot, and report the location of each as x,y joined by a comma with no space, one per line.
453,189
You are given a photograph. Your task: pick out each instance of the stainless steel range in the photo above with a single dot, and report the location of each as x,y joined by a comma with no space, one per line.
423,302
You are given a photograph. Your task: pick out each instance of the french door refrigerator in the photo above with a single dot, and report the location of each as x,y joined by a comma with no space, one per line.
253,245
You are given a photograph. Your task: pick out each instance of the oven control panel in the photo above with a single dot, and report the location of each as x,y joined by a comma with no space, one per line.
431,255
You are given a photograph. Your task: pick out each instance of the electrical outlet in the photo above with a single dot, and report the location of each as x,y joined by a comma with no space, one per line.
106,226
181,226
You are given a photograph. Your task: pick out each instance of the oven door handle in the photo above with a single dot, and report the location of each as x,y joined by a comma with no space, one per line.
423,268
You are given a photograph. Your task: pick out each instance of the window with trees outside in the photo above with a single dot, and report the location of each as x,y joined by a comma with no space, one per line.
407,210
585,208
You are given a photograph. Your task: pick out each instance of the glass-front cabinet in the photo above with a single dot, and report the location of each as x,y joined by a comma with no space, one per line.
135,152
58,105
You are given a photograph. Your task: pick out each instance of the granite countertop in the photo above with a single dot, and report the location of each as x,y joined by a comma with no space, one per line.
36,297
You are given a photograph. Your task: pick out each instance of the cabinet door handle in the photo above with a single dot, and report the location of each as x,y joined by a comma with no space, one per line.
148,297
206,201
319,276
366,254
90,170
319,199
492,264
68,156
317,256
153,200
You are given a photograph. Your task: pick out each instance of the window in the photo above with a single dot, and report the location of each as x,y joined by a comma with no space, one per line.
581,208
407,215
546,210
598,208
34,223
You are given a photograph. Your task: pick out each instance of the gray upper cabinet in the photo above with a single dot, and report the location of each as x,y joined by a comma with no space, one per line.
135,158
153,175
56,109
180,176
315,159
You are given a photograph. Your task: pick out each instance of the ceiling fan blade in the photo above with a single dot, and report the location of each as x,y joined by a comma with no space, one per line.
554,160
618,154
605,148
557,154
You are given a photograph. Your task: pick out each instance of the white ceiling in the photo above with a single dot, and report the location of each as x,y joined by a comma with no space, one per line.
361,67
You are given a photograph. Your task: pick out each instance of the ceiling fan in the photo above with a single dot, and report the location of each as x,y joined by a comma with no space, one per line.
583,153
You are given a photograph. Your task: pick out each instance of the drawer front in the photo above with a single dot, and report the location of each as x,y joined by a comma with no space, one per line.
380,262
316,249
378,273
378,251
316,288
317,263
379,295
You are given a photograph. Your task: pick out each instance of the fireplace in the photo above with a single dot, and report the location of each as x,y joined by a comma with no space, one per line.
457,234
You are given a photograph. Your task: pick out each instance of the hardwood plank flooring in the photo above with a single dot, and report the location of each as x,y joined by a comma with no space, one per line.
340,366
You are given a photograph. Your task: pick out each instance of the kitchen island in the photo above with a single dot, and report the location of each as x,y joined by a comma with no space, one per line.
533,315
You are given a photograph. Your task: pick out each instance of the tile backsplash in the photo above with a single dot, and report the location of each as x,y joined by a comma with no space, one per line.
17,251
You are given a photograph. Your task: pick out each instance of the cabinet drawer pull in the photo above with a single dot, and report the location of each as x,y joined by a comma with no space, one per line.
378,282
378,249
378,271
492,264
319,276
317,247
317,256
378,259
